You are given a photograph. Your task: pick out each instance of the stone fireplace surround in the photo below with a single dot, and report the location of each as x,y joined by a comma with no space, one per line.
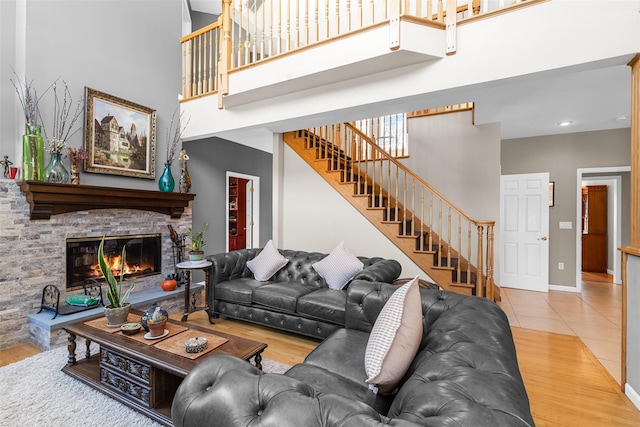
32,254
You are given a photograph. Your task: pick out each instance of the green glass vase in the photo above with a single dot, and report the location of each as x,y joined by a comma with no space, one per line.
166,182
32,153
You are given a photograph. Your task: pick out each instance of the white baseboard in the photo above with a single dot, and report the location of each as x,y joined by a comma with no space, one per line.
633,396
563,288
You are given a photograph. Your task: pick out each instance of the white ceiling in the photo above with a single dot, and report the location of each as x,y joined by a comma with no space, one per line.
593,97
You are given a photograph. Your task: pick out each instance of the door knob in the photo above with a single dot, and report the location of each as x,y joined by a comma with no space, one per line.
543,238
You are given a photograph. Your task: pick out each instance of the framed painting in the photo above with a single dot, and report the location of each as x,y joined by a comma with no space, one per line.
119,136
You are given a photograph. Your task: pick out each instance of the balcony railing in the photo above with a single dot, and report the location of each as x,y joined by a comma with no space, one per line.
250,31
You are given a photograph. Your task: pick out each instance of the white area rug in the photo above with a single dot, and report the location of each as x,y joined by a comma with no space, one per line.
35,392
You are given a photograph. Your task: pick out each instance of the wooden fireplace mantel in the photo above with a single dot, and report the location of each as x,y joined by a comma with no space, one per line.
46,199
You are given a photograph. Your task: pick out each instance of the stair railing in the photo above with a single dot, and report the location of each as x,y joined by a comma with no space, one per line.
463,244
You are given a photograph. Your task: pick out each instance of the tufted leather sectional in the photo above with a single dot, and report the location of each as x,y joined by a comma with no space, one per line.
465,374
296,299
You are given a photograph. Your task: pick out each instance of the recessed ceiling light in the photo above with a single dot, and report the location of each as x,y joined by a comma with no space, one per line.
565,123
621,118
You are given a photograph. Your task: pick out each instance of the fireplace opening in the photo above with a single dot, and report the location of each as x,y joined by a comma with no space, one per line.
143,257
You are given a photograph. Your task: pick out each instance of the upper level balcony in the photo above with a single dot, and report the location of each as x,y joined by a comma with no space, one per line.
271,66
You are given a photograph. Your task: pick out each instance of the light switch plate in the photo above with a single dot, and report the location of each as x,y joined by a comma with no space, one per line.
566,225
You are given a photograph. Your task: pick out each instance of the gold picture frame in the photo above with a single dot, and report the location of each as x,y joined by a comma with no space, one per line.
119,136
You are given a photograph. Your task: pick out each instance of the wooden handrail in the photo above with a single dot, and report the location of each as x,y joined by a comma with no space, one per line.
420,210
210,27
389,158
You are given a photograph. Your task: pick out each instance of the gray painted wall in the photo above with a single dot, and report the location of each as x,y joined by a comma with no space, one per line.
8,119
633,322
128,49
210,159
201,20
561,156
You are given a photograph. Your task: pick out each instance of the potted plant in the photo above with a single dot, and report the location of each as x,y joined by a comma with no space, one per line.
156,322
197,242
118,308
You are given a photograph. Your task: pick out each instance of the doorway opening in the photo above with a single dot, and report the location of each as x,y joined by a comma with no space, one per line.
614,218
243,211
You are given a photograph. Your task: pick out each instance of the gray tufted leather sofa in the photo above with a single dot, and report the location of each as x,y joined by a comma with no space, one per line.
296,299
465,374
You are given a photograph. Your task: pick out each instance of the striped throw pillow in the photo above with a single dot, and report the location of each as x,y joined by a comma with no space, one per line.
267,263
394,339
338,267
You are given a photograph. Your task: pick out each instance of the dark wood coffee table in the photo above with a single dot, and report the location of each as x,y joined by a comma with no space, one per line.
138,373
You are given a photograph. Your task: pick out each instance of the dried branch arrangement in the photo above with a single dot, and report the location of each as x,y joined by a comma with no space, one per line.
175,135
29,99
63,119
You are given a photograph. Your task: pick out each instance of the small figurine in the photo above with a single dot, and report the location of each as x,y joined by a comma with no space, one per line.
185,179
6,163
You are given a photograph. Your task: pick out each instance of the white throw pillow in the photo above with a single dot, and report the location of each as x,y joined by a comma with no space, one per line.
267,263
338,267
394,339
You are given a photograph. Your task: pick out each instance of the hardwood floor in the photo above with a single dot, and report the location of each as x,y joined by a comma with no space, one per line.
567,386
566,383
594,315
283,347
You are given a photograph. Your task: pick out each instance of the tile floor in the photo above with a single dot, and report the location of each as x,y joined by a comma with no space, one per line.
594,315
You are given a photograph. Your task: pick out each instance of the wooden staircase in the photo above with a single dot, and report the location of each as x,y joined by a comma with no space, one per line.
453,249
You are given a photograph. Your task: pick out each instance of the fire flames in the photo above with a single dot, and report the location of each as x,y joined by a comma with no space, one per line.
115,264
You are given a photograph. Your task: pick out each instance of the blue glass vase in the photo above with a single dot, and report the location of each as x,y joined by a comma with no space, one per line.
55,171
166,182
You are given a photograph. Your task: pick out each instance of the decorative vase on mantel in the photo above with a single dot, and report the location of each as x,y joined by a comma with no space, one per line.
75,173
32,153
166,182
55,170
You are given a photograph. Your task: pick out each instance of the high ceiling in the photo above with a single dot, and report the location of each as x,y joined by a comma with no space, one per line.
591,97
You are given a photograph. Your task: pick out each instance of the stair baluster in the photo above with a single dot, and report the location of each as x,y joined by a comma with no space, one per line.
380,183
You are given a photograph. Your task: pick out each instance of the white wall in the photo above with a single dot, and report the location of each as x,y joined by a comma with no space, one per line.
314,217
461,161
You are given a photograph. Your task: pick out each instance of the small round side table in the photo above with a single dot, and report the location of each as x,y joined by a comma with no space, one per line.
189,299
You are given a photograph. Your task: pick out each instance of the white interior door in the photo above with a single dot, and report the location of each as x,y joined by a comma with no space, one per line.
524,231
249,213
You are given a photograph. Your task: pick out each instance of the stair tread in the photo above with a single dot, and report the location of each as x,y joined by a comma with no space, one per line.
462,285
